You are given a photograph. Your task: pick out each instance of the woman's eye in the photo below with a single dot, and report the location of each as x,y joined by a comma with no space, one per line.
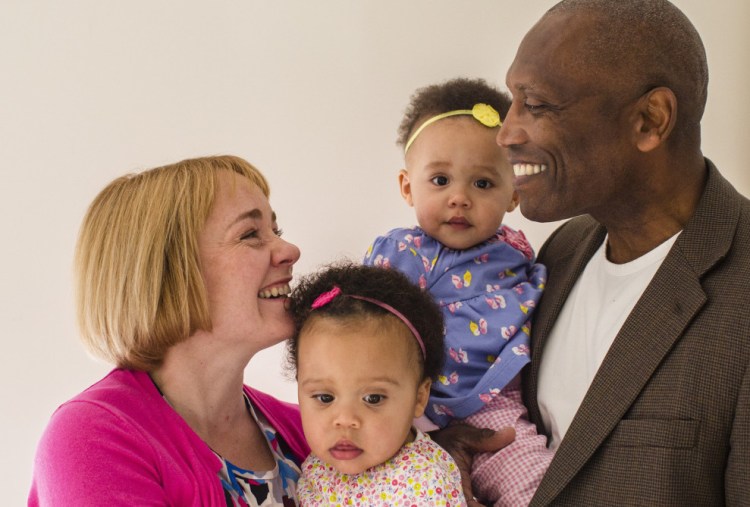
253,234
373,399
483,184
323,398
278,232
440,180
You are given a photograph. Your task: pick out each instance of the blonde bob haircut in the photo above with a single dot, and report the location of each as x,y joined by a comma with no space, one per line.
137,269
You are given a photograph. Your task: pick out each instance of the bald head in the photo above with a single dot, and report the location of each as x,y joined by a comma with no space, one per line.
644,44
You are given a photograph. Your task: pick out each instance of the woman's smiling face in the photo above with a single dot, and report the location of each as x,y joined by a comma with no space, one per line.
246,266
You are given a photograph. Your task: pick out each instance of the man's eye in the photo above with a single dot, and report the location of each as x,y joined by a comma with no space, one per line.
533,107
323,398
374,399
440,180
483,184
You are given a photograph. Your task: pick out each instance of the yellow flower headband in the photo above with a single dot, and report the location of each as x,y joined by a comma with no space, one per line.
483,113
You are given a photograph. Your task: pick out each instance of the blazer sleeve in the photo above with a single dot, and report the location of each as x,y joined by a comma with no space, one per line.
737,474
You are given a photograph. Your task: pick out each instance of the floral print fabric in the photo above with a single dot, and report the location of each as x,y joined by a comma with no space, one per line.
245,488
421,474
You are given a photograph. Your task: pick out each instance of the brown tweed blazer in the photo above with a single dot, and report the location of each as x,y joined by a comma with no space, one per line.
666,420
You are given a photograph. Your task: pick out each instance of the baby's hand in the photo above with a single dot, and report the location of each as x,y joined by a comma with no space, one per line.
462,442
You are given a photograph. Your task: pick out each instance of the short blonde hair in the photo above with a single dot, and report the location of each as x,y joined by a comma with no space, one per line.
138,278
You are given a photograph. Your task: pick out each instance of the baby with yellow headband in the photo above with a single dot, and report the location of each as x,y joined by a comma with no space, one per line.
482,273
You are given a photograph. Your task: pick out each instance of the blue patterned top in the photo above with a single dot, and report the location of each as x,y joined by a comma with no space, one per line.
487,294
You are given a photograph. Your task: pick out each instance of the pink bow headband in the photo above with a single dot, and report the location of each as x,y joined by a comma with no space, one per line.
329,296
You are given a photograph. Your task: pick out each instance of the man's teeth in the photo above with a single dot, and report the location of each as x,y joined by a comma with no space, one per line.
273,292
528,169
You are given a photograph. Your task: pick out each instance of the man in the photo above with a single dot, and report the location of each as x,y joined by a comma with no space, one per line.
641,344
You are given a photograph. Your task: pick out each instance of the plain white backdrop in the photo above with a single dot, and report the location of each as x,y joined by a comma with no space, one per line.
310,92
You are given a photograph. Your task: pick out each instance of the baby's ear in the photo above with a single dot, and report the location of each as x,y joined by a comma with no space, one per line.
514,200
423,396
405,186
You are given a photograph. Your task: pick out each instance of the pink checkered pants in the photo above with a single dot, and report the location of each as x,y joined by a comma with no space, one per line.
509,477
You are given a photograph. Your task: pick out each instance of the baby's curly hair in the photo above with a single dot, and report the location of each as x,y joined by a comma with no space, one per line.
386,285
458,93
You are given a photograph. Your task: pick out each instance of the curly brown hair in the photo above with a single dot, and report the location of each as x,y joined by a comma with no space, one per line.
386,285
458,93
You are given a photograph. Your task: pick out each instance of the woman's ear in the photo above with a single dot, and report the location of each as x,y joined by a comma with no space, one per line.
657,113
403,183
514,200
423,396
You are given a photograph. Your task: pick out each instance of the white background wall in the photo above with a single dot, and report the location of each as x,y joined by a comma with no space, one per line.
310,92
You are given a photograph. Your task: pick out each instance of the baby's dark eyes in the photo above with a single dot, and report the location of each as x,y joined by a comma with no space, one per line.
440,180
373,399
483,184
323,398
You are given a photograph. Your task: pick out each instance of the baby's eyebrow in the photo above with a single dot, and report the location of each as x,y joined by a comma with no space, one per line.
386,379
312,380
368,380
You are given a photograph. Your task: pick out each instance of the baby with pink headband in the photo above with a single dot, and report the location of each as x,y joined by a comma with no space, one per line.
367,345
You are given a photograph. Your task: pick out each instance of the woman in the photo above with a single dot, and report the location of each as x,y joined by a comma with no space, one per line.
182,277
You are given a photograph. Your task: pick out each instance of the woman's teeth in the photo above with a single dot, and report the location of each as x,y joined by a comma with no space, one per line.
274,292
528,169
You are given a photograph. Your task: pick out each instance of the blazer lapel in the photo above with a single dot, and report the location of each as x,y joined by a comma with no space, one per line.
657,321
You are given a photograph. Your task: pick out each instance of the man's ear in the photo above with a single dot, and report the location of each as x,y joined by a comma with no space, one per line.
423,396
514,200
657,113
403,183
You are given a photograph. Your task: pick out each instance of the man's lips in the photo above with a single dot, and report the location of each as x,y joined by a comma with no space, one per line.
345,450
528,169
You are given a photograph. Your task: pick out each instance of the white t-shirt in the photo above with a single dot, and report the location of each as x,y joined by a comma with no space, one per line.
591,317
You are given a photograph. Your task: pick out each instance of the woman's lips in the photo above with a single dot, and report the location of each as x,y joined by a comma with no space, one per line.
274,291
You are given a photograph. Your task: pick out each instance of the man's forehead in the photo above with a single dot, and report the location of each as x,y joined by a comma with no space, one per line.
555,51
561,35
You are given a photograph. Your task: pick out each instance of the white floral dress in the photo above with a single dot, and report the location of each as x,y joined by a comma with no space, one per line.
421,474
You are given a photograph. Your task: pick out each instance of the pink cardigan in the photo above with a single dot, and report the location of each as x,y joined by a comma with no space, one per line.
119,443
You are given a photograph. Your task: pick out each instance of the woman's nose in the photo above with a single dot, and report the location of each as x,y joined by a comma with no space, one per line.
285,253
